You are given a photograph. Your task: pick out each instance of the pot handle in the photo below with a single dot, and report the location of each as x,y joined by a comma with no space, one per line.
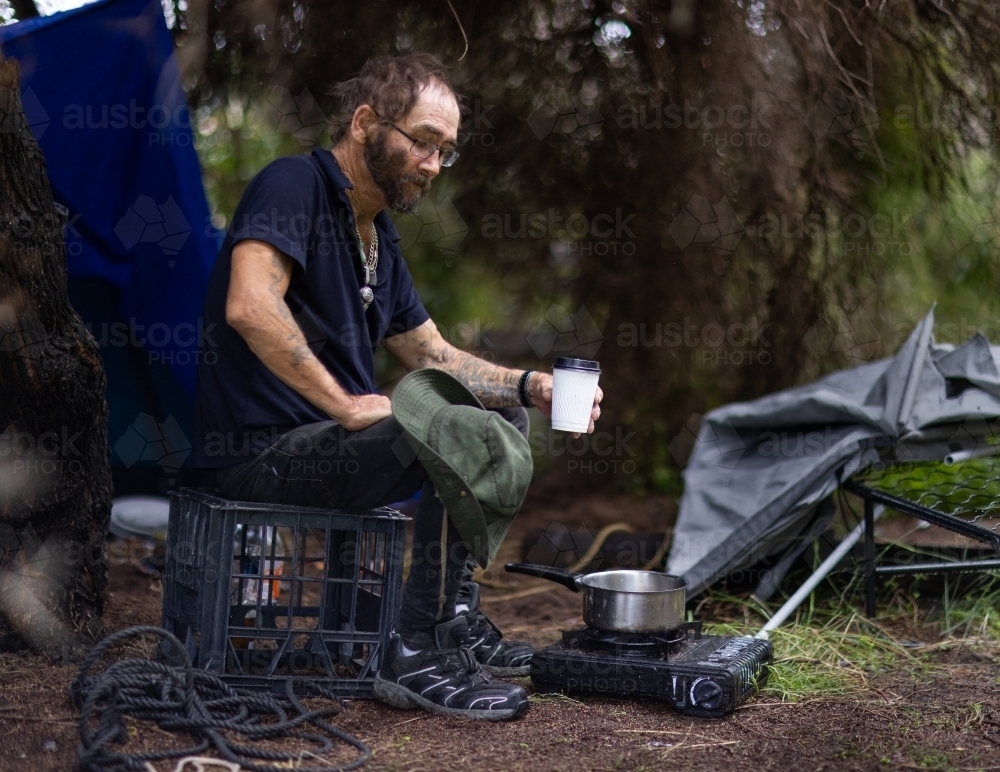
567,579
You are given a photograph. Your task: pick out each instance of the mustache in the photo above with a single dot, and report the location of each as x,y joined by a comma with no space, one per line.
420,180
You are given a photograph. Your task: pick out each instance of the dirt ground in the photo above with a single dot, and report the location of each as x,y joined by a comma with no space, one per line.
947,717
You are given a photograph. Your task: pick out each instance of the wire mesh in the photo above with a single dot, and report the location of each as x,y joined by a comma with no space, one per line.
969,489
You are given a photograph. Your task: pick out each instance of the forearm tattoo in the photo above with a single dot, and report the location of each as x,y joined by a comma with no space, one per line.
298,348
494,386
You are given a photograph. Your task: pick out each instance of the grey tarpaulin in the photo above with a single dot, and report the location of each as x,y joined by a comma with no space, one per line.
758,469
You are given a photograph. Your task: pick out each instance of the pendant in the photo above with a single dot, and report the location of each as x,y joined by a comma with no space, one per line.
372,278
367,296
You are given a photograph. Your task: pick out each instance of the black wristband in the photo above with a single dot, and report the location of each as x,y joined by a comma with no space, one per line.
522,389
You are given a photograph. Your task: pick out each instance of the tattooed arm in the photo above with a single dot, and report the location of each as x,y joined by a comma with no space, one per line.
256,309
495,386
424,347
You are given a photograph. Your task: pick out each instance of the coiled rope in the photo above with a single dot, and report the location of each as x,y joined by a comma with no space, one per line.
185,698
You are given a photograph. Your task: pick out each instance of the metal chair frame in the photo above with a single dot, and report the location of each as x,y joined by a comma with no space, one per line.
958,525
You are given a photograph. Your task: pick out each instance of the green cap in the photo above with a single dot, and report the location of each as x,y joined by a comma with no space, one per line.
479,462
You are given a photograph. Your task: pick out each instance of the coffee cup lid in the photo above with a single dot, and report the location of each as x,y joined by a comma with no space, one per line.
571,363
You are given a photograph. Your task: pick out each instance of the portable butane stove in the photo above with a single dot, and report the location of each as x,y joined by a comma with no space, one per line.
699,675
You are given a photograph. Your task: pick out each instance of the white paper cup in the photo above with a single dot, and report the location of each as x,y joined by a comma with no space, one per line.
574,384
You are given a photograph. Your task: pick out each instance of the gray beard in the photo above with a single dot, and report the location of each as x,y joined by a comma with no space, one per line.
384,166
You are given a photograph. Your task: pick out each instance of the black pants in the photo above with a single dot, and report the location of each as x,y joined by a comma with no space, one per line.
324,465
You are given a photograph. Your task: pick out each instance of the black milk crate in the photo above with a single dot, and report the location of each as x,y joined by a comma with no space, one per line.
260,593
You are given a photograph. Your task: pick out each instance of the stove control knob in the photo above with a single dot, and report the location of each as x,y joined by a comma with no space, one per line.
706,694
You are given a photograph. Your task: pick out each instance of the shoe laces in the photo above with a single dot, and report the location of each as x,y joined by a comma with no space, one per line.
458,659
480,624
469,659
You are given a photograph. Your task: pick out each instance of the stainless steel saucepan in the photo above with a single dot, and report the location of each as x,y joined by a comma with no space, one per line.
621,601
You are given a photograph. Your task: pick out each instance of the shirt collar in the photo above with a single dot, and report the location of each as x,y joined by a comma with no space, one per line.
339,185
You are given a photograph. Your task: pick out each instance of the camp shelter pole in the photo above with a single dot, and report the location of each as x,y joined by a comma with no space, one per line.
869,558
818,576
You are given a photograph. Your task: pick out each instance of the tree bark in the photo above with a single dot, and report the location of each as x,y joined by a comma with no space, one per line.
24,9
55,475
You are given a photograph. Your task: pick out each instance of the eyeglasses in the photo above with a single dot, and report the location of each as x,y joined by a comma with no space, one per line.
424,149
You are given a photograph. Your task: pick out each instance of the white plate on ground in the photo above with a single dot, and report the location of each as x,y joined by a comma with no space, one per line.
140,517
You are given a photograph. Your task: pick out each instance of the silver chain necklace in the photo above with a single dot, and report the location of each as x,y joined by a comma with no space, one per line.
370,264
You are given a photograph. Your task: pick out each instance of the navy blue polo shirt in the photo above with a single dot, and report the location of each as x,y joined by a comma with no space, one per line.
299,205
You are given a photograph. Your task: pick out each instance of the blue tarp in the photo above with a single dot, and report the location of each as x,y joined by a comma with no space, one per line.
102,93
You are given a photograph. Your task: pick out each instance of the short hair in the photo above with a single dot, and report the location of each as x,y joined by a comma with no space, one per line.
390,84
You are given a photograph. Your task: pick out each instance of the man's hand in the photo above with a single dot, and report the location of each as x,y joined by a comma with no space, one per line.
540,392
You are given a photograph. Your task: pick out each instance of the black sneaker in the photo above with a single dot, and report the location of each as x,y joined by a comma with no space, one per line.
442,676
506,659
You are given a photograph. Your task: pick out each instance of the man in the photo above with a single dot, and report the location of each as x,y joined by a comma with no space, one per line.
310,279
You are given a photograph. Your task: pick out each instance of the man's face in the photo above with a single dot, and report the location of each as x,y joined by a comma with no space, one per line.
405,178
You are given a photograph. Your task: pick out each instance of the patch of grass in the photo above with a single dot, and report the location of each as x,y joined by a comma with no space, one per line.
974,714
929,758
971,615
553,697
401,743
831,649
833,655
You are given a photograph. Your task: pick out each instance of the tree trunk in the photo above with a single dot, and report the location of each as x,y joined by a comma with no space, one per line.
24,9
55,475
